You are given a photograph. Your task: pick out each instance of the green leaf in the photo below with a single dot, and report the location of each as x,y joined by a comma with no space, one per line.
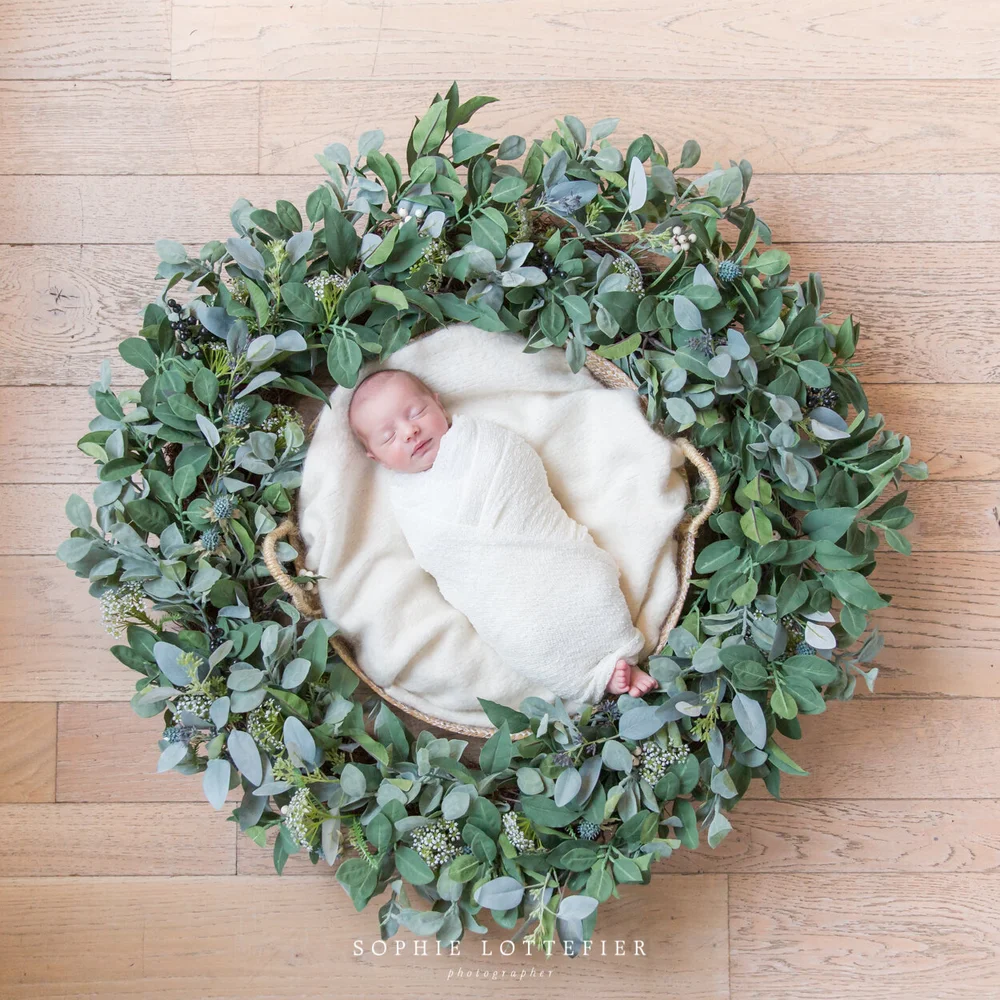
756,526
413,867
828,523
342,241
781,760
137,352
302,303
260,304
853,588
620,350
497,751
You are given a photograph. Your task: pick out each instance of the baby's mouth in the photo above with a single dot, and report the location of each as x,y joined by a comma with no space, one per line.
422,447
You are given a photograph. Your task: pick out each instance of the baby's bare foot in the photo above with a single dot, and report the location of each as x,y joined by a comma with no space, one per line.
621,678
641,683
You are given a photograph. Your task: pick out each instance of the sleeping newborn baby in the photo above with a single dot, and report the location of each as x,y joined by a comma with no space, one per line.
473,501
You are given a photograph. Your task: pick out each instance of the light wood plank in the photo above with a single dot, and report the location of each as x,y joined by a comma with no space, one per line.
950,428
63,312
895,749
842,836
217,40
800,208
28,749
869,936
939,630
838,127
957,517
145,127
211,127
108,754
104,40
865,748
113,838
250,936
827,836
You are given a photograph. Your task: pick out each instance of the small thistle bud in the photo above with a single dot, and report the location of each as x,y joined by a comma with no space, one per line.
239,414
210,539
730,270
804,649
586,830
223,507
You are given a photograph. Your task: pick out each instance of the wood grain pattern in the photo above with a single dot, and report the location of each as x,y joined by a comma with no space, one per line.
256,936
68,309
871,131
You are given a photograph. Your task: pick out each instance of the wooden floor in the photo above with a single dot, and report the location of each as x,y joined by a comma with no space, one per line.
873,133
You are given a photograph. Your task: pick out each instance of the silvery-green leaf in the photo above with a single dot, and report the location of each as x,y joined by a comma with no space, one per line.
687,314
245,755
295,673
503,893
827,424
290,340
247,701
208,429
576,907
720,365
456,802
617,756
750,717
171,252
298,245
680,409
171,756
529,781
738,346
244,679
352,780
261,350
722,784
299,741
219,712
716,746
718,828
78,511
637,191
609,158
215,782
567,785
819,636
641,722
153,695
257,381
74,549
245,253
166,655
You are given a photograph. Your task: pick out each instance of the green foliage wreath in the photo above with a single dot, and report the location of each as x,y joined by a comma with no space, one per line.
580,247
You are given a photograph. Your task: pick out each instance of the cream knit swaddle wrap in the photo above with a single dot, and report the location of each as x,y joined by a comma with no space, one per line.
483,521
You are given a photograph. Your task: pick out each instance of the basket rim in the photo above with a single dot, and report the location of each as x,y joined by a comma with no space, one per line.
306,600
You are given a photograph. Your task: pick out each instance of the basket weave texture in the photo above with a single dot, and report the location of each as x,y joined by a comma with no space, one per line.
306,598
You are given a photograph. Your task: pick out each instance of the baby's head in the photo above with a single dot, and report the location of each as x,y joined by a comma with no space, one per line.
392,413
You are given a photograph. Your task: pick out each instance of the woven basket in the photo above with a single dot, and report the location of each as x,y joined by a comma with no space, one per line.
306,598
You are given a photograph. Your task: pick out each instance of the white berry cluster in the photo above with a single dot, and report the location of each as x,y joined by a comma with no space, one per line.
418,213
654,759
681,241
324,278
520,833
438,843
121,603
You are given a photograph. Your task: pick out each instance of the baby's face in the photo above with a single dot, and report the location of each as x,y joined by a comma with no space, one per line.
395,419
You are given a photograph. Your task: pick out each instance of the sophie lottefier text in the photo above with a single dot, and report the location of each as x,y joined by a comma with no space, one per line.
424,947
